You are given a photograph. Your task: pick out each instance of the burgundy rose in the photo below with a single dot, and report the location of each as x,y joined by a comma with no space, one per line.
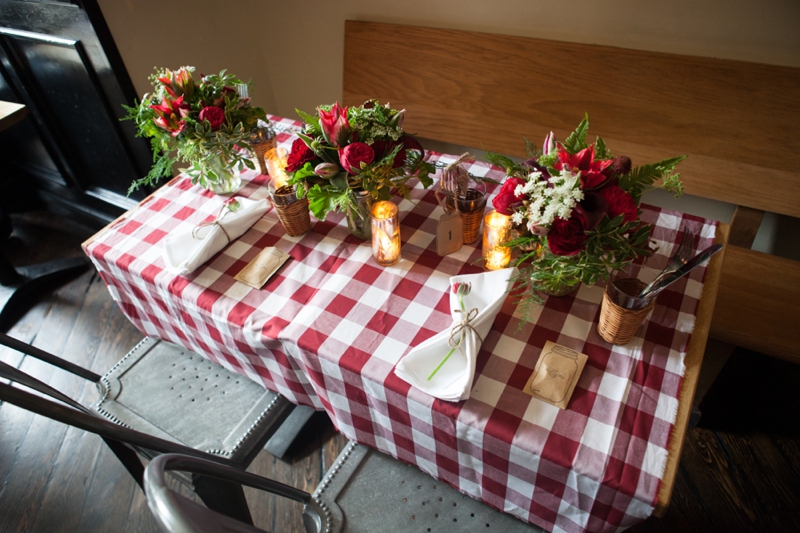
619,203
567,237
352,155
506,200
214,115
299,156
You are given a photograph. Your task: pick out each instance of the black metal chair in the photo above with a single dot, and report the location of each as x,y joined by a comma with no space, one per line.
159,399
364,490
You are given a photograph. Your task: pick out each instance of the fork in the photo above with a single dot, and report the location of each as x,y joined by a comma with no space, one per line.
682,254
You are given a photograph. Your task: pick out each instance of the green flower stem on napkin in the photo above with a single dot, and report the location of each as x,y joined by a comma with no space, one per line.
461,289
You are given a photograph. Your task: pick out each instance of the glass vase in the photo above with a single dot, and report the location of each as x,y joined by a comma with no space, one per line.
358,215
216,174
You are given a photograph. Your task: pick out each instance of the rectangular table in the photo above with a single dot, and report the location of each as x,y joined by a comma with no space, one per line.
327,330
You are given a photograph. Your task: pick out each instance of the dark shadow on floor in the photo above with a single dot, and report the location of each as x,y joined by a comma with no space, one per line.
754,393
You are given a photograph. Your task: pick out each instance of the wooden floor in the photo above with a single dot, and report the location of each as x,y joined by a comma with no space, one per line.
740,469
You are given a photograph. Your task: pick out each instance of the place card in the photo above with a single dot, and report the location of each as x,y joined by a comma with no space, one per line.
556,373
449,233
262,267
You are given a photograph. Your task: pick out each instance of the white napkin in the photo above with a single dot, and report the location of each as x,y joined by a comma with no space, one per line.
186,251
453,381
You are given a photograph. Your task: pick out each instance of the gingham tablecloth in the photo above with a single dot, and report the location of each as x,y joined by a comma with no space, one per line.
329,327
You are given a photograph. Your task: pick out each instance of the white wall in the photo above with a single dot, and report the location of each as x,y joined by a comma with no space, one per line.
293,49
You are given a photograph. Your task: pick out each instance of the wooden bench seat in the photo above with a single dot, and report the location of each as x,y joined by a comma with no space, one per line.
737,121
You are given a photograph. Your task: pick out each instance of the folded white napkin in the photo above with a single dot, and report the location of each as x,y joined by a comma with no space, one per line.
453,381
186,251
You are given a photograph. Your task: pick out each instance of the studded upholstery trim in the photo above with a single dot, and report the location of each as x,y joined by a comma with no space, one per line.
106,388
328,526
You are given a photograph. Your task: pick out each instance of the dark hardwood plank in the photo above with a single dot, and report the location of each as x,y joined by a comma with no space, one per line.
25,483
768,477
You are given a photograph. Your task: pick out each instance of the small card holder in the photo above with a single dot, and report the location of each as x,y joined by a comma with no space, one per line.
262,267
449,233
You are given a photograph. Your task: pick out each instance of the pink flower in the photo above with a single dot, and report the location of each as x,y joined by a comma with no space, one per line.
594,174
171,114
334,124
461,288
214,115
178,83
354,154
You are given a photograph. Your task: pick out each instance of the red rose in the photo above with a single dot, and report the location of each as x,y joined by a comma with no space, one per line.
566,237
299,156
619,203
505,201
352,155
214,115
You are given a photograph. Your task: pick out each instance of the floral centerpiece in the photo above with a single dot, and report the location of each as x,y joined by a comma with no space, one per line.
206,124
574,207
345,156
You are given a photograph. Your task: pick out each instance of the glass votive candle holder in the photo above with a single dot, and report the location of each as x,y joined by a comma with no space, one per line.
276,160
385,233
496,228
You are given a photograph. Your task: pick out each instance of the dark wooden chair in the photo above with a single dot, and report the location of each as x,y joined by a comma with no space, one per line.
159,399
364,490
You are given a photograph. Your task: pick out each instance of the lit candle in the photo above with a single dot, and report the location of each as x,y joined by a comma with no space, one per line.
496,228
385,233
276,159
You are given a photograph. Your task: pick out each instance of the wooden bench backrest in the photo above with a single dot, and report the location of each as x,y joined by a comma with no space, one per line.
737,121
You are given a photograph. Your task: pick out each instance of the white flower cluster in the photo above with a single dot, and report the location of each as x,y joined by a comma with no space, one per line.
548,198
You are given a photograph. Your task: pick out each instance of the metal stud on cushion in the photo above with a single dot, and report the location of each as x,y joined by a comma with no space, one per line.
170,392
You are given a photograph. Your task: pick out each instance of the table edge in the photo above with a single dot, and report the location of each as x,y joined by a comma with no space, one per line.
693,363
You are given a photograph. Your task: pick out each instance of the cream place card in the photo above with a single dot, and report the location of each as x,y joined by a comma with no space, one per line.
262,267
556,373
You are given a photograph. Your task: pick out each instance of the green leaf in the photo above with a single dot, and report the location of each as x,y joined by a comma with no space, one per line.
576,141
311,120
601,150
320,202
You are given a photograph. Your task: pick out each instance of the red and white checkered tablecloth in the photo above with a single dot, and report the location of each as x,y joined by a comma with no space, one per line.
329,327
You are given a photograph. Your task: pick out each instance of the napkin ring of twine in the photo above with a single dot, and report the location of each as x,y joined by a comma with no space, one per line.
224,210
457,331
457,335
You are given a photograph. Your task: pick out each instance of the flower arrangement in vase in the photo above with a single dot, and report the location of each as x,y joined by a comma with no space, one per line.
574,207
347,157
206,124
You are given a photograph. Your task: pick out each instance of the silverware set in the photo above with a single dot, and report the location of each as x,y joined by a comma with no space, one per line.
680,264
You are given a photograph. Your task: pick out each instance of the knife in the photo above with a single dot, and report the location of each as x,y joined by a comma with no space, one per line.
682,271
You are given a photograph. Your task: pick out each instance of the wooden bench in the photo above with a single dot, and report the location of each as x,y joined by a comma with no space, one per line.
737,122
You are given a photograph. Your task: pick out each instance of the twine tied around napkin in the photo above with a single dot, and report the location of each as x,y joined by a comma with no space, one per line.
185,251
230,206
453,380
460,328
